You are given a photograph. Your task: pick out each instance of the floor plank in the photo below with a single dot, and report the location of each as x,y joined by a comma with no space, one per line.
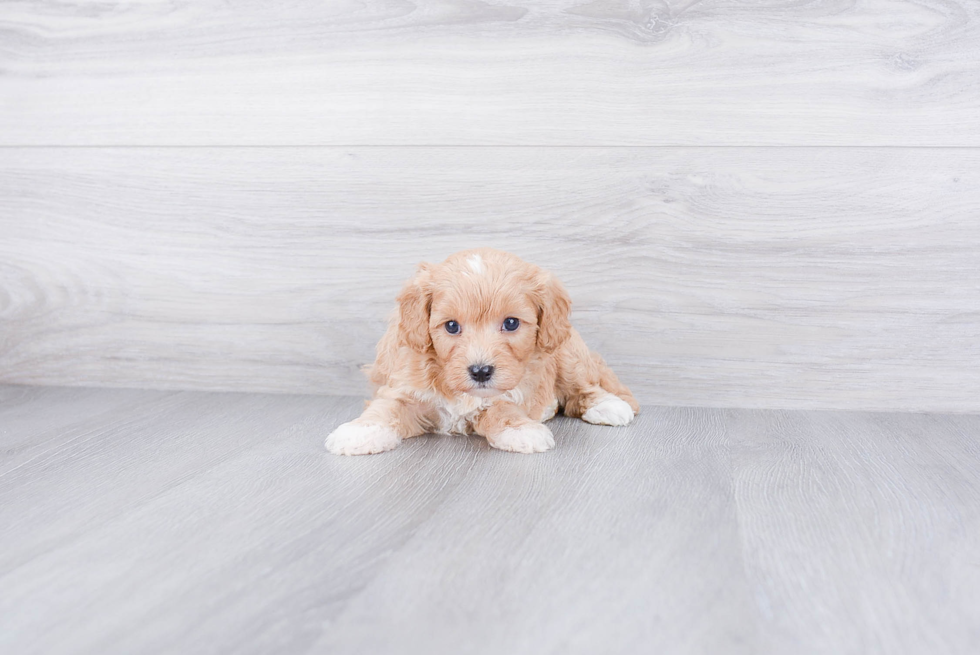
623,541
861,531
202,522
26,433
458,72
740,277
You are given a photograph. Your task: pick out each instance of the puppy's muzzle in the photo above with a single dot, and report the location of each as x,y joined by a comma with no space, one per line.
480,372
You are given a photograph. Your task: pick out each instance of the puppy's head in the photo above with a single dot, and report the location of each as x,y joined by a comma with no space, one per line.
482,316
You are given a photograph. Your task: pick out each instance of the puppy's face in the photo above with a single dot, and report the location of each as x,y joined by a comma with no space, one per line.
483,334
483,315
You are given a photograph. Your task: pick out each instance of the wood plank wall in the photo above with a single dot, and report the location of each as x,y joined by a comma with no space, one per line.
763,205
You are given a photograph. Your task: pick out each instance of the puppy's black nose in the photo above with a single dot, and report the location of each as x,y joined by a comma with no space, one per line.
481,372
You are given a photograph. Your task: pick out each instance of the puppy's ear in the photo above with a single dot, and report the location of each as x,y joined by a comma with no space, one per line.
414,304
554,310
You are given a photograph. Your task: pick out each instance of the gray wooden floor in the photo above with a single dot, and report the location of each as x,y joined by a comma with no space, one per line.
192,522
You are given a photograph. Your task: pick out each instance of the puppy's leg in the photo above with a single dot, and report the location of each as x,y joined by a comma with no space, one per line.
606,403
608,409
507,427
382,426
591,390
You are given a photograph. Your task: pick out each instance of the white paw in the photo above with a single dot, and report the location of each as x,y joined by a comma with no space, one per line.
529,438
611,410
361,439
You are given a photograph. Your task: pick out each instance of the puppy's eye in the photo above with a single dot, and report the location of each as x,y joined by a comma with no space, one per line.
511,324
452,327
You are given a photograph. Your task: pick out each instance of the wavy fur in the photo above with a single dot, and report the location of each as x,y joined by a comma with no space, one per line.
421,373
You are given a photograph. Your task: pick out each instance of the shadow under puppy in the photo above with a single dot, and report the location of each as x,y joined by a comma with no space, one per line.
482,343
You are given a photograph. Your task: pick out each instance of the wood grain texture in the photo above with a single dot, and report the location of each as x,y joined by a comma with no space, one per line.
808,278
203,523
464,72
26,434
861,531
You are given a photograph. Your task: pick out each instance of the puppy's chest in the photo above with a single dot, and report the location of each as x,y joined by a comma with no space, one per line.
456,415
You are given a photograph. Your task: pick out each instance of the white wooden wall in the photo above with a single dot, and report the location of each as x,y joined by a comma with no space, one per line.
753,204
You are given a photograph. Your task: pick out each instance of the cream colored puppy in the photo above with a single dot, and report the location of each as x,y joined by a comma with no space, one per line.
482,344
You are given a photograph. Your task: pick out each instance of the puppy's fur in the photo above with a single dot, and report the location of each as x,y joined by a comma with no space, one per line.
422,373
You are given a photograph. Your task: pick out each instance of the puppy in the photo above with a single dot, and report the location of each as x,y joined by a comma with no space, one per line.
482,344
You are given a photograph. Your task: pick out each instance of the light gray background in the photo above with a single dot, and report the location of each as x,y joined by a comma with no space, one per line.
753,204
762,205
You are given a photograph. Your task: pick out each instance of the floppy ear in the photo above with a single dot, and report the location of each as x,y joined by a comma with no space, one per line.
554,309
414,303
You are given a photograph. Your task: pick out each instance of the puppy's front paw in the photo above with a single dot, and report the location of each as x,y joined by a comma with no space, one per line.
611,410
361,439
528,438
